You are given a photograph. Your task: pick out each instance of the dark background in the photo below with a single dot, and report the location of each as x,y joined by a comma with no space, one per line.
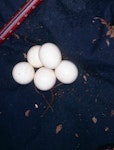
85,108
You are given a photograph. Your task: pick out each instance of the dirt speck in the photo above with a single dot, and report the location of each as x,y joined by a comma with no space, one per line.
76,135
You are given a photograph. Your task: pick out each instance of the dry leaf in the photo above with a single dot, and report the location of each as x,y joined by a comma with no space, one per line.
27,113
94,119
103,21
58,128
109,32
112,34
110,27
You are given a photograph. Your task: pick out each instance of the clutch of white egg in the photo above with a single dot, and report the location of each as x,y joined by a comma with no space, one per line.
47,60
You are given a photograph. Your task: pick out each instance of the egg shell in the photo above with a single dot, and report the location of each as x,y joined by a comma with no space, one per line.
33,56
50,55
23,73
66,72
44,79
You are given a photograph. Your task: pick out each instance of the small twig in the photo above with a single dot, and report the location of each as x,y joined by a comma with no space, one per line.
27,41
59,84
49,104
36,90
16,35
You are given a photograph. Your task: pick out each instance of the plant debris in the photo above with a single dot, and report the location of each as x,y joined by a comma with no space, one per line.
36,105
85,78
110,27
49,104
16,35
58,128
77,135
94,40
107,42
27,113
25,55
94,119
112,113
106,129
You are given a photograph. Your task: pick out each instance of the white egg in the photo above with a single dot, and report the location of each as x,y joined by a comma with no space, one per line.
23,73
66,72
44,79
33,56
50,55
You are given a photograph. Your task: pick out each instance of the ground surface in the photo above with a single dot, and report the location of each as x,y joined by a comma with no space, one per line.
83,116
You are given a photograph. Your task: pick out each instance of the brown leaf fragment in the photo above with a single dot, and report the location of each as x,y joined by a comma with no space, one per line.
109,32
94,119
112,34
16,35
58,128
103,21
27,113
110,27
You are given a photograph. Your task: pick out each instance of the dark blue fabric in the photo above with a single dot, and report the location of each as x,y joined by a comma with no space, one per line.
83,40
